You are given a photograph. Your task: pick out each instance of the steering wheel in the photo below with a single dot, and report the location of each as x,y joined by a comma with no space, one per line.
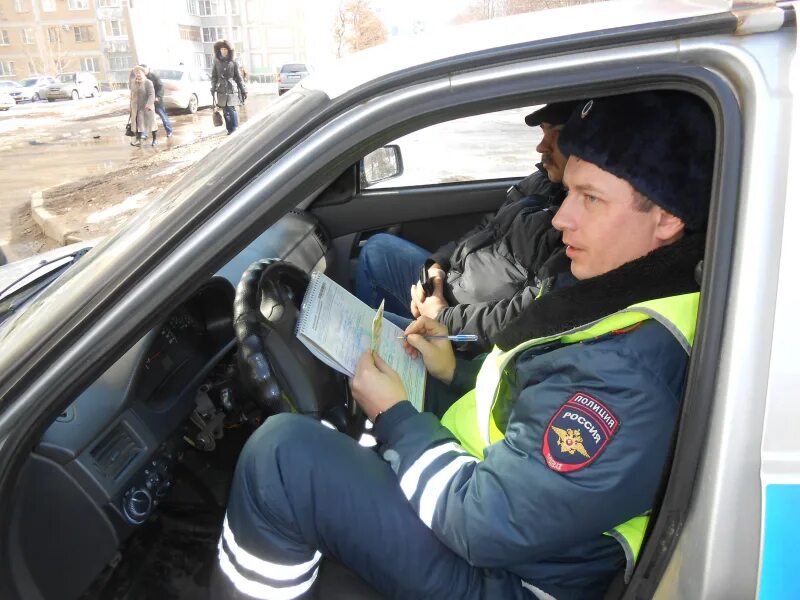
281,373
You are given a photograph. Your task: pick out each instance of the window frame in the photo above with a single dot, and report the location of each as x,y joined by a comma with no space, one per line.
78,4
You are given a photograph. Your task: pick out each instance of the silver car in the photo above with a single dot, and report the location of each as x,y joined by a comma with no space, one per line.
33,88
185,89
80,84
290,74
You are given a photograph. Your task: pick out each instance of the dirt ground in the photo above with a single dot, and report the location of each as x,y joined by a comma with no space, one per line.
93,207
89,177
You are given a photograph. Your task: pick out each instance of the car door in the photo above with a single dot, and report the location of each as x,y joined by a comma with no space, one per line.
203,89
712,511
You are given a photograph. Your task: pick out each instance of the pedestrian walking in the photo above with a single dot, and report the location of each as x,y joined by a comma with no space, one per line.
142,115
161,111
227,86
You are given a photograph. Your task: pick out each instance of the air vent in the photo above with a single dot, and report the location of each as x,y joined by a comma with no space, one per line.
322,237
115,452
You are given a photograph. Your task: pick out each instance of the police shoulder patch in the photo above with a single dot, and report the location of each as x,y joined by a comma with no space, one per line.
578,433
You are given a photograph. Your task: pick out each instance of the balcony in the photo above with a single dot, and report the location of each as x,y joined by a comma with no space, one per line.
113,46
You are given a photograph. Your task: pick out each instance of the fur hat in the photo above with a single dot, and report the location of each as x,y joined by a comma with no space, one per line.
224,44
555,113
662,143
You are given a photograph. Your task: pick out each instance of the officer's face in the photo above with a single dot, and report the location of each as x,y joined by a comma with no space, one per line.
552,159
603,224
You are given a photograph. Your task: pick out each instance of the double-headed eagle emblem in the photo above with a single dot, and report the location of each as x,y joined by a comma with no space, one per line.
570,441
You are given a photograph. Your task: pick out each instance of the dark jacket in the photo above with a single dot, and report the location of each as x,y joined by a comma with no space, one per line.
512,511
227,86
498,268
157,86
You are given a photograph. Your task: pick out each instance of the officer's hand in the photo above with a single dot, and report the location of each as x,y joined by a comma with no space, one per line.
376,386
429,306
438,355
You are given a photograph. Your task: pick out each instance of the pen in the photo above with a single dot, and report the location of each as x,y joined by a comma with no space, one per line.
464,337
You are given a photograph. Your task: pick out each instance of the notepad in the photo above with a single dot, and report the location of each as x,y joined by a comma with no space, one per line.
337,328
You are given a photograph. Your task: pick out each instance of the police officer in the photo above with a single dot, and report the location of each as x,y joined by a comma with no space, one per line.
537,481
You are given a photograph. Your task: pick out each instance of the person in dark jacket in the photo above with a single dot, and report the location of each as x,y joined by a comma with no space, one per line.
493,262
161,111
538,481
227,86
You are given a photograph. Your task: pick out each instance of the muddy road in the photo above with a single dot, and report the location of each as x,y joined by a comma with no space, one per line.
47,144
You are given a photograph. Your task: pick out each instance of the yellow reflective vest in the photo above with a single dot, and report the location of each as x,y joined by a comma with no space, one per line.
471,418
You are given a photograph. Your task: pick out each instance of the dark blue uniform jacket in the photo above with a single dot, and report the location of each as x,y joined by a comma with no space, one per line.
512,510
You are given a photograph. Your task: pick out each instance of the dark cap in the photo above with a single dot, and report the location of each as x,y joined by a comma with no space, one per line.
555,113
662,143
144,66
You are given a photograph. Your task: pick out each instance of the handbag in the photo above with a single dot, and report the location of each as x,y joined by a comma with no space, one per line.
128,130
216,117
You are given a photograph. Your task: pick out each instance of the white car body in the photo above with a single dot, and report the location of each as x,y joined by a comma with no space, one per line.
185,89
75,85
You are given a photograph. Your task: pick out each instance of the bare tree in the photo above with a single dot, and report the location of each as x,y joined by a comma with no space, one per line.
56,55
357,27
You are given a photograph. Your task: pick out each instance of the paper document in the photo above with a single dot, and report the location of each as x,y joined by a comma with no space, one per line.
337,327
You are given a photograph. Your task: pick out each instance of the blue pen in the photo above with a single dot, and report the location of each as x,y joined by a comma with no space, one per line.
464,337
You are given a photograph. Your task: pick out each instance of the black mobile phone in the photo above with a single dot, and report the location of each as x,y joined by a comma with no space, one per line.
425,281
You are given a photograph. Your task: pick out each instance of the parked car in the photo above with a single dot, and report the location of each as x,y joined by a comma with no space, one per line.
6,100
123,406
34,88
80,84
289,74
185,89
12,88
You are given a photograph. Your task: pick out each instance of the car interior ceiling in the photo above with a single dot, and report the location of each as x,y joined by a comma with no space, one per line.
171,552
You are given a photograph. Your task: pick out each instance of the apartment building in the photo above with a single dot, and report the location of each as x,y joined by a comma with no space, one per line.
57,36
265,33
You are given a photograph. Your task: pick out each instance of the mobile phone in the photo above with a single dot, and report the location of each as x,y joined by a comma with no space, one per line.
425,281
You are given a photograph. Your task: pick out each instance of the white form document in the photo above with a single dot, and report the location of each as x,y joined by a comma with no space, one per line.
337,328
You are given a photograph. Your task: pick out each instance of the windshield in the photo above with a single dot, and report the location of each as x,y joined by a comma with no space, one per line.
292,68
67,78
168,73
29,82
9,84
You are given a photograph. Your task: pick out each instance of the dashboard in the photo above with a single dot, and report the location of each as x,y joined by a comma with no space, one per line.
101,468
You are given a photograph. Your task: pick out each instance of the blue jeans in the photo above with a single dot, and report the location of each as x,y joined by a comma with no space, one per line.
162,112
387,268
231,118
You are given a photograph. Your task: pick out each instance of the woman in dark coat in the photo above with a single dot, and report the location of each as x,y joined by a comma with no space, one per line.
227,86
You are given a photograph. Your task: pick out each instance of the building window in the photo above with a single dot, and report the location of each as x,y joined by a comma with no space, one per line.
191,7
212,34
7,68
78,4
189,33
208,8
108,3
114,28
120,62
254,34
83,33
90,64
22,6
4,37
234,6
209,61
53,35
28,36
49,5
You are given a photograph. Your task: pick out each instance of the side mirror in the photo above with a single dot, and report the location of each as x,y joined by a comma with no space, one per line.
380,165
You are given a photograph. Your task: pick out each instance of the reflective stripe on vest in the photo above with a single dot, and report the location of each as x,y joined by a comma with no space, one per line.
471,421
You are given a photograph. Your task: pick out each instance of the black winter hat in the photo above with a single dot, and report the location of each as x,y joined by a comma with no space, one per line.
662,143
555,113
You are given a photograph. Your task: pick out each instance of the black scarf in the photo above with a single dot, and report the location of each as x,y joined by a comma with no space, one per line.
667,271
